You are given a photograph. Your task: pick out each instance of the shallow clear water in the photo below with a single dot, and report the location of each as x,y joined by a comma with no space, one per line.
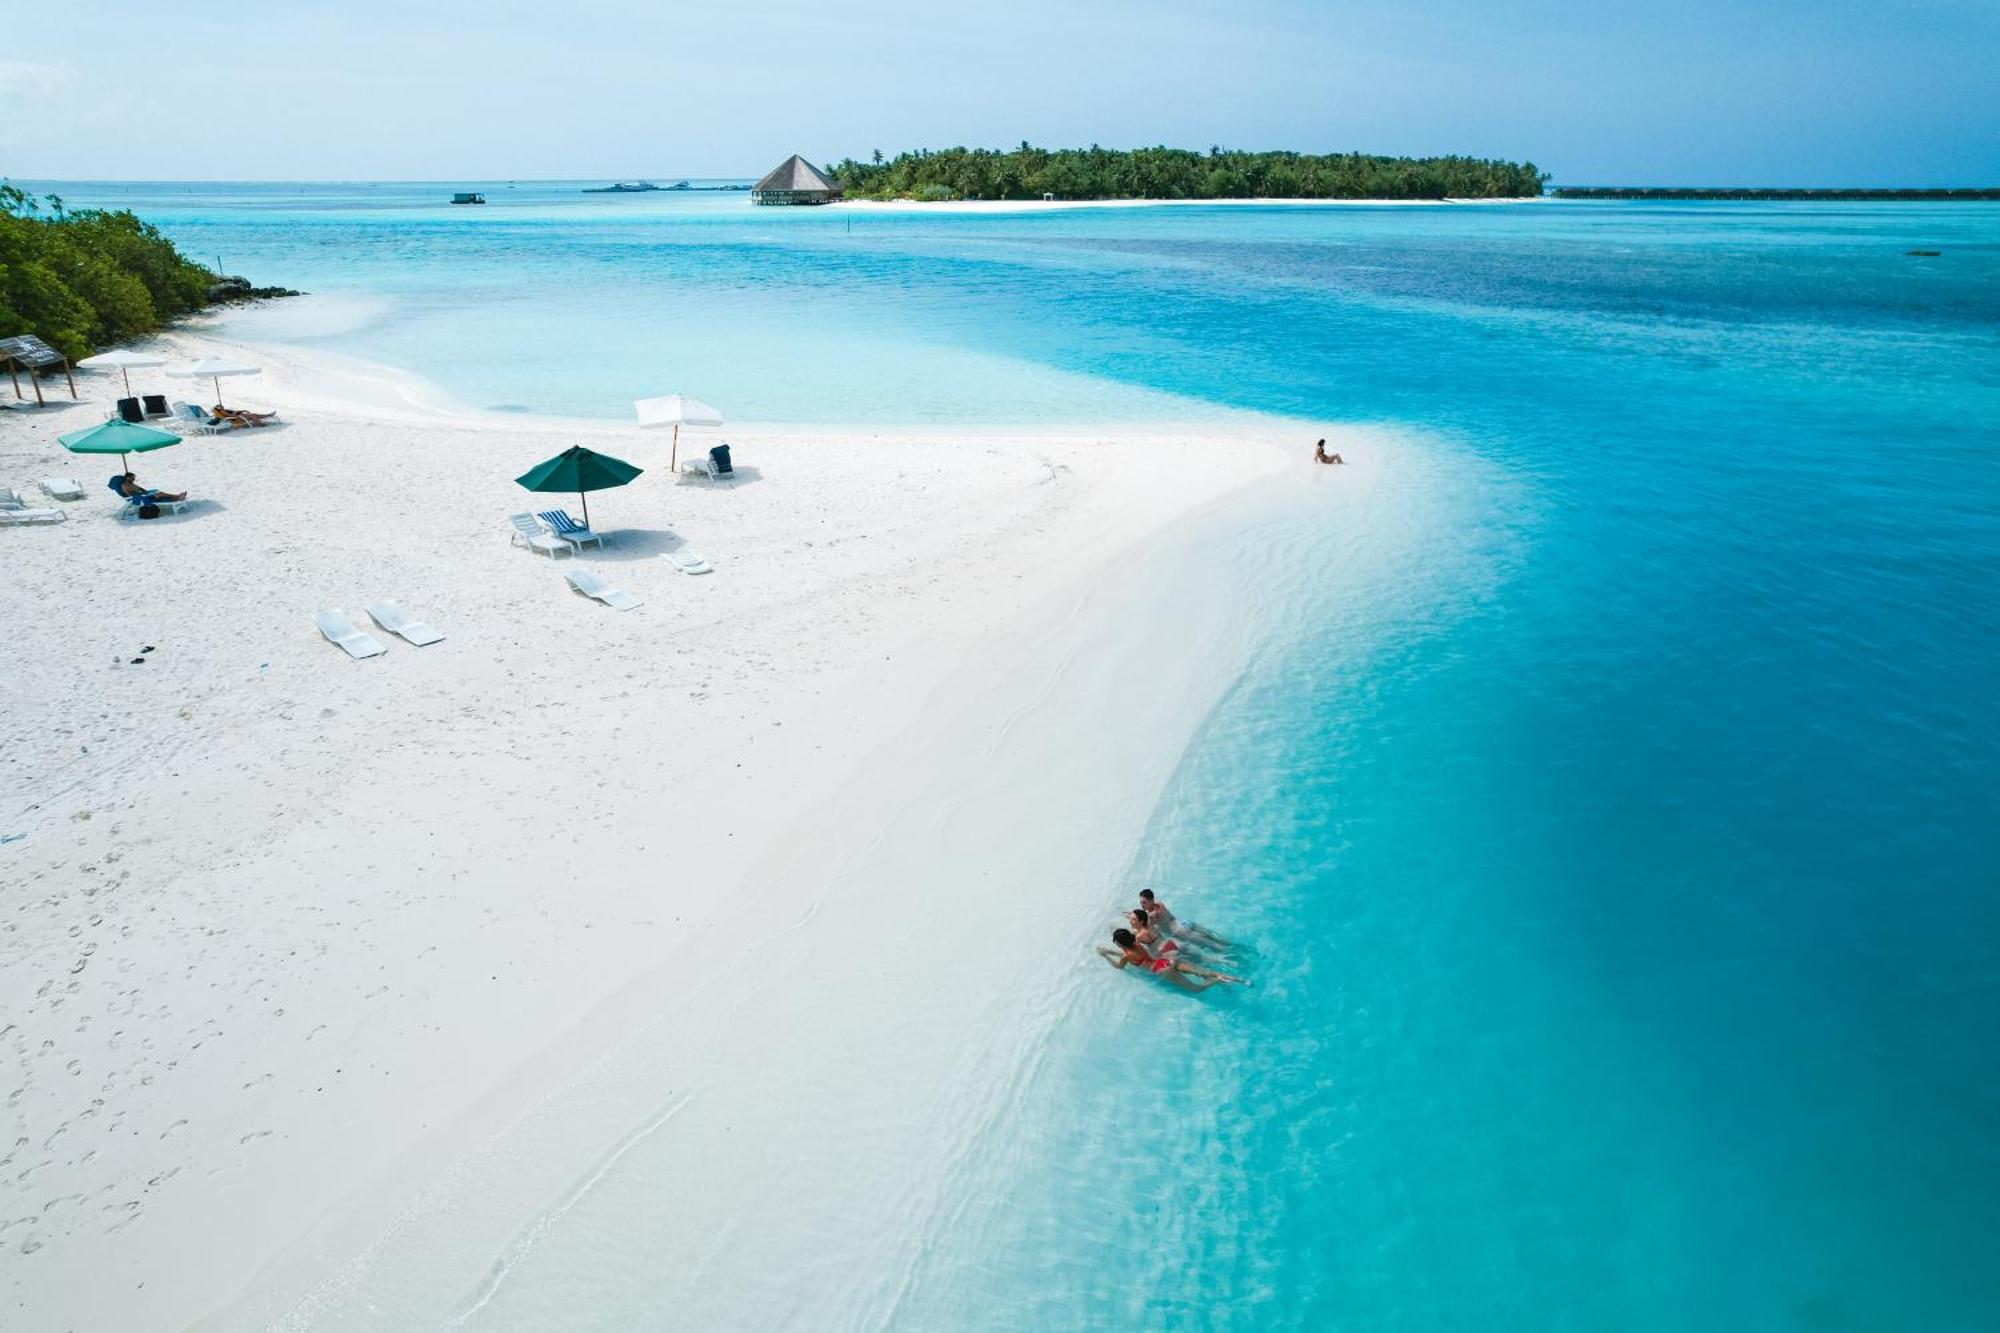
1610,806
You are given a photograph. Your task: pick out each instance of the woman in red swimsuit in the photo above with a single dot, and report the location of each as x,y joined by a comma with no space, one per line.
1131,953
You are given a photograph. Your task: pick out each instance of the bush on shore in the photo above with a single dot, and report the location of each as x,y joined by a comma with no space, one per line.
87,279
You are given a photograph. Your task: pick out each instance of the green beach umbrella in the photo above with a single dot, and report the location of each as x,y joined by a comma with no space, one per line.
117,436
578,469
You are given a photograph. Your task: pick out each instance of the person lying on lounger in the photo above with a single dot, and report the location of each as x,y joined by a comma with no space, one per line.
236,416
1130,953
129,487
1169,924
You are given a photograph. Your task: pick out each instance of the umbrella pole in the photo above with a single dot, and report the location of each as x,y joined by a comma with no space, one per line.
583,498
673,459
218,390
124,375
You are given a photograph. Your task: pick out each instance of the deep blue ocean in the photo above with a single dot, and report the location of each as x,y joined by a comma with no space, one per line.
1613,809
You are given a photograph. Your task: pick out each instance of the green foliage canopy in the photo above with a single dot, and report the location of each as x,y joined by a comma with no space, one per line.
1028,172
84,280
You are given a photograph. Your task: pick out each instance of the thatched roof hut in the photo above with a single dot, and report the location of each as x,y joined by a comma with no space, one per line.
29,353
795,181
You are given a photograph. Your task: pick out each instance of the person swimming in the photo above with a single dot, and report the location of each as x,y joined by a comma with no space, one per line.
1159,942
1186,975
1167,923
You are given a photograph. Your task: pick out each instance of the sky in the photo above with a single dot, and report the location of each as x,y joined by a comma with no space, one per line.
1694,92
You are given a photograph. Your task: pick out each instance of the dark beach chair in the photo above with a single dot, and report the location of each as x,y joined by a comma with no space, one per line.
156,404
130,410
716,467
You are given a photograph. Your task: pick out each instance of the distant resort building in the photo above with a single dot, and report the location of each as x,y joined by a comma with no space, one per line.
796,181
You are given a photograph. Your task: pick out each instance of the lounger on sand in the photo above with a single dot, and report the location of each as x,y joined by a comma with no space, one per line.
11,515
392,617
687,562
591,584
531,533
190,415
133,503
568,528
356,642
716,467
61,488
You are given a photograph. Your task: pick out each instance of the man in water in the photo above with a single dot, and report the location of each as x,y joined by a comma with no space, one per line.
1152,937
1320,455
1167,923
1130,953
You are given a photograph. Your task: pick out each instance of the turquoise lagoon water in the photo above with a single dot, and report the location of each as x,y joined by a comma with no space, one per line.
1611,800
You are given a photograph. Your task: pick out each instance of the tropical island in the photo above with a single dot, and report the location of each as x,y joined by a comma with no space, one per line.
86,278
1028,172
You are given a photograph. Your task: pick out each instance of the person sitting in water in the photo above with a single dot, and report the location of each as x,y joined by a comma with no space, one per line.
1130,953
236,416
1165,921
129,487
1320,455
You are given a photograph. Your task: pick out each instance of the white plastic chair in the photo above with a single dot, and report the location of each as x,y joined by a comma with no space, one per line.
350,638
591,584
392,617
528,531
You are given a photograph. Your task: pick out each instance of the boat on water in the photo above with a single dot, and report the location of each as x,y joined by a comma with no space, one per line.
628,187
468,197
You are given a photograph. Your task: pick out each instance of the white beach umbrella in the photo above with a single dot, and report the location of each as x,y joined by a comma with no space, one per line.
213,368
122,360
675,410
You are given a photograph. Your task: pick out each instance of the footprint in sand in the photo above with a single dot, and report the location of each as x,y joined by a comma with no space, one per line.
171,1128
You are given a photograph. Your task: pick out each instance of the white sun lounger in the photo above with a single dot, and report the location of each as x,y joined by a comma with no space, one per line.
130,509
392,617
529,531
61,488
356,642
188,415
687,562
12,515
591,584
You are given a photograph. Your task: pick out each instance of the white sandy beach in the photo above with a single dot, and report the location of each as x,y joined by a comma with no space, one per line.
288,938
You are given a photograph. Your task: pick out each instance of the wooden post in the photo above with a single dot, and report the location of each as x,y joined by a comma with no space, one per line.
14,374
71,378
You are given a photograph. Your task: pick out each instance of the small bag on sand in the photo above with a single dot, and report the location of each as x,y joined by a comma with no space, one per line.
149,510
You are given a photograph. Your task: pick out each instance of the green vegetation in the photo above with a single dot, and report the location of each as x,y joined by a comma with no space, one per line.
1177,173
83,280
